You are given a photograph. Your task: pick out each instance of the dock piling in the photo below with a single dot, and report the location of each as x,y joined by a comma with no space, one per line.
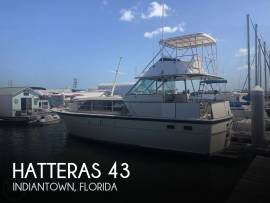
258,111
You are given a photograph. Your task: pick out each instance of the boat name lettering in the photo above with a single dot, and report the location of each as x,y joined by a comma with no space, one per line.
62,170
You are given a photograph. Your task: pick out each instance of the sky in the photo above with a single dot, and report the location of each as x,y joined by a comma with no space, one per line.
49,42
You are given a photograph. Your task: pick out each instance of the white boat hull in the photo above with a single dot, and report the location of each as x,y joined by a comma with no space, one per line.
202,137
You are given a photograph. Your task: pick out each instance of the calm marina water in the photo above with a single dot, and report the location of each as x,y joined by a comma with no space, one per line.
155,174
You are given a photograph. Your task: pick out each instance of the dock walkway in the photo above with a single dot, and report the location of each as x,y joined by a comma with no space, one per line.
254,186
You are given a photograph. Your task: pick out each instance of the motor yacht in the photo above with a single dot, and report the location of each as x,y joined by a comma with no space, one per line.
159,111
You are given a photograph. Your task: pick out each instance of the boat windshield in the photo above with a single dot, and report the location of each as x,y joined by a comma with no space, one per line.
148,86
184,90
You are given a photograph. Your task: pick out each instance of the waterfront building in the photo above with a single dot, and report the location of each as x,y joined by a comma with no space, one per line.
18,101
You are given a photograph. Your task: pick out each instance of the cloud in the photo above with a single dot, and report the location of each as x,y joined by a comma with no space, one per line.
105,3
127,15
244,67
241,52
155,10
166,29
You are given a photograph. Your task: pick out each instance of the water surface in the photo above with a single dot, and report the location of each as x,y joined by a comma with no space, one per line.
155,175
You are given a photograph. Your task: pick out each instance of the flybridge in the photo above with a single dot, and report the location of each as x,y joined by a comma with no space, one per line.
187,56
184,57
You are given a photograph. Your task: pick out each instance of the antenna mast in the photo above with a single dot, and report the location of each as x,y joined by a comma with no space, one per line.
115,77
265,66
162,29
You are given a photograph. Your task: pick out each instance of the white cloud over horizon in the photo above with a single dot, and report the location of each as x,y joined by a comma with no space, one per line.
244,67
127,15
166,29
105,3
155,10
241,52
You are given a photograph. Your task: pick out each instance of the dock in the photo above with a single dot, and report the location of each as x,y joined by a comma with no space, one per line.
254,186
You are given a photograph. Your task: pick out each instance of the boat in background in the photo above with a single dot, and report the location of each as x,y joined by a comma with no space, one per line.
48,119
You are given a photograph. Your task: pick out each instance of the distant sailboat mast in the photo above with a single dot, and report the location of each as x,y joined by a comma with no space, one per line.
248,55
261,55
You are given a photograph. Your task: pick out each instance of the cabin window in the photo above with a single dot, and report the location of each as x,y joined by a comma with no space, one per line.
169,87
86,106
36,102
26,93
117,105
102,105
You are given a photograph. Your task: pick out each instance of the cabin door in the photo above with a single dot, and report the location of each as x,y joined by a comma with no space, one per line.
26,104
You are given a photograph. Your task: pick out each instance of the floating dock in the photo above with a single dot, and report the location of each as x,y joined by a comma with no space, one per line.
254,186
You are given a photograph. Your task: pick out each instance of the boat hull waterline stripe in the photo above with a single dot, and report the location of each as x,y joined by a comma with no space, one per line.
146,119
